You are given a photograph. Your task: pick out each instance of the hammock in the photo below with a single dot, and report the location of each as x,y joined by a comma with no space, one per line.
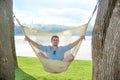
43,37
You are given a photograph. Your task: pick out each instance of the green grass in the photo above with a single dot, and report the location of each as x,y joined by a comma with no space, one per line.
31,69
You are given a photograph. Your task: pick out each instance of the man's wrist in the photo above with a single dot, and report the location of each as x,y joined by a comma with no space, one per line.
29,40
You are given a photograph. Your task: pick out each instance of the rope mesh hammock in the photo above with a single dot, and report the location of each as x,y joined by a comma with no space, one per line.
66,37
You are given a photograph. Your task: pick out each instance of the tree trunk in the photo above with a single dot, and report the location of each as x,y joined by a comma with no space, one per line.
106,41
7,69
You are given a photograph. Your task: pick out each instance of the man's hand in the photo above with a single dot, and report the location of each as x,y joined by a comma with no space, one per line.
82,37
77,41
27,39
32,42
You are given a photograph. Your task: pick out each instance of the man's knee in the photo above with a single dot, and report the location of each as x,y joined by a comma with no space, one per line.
69,58
40,54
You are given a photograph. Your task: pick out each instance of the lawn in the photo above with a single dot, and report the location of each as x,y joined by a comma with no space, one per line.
31,69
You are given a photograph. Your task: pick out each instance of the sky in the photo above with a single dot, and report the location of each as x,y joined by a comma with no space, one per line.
61,12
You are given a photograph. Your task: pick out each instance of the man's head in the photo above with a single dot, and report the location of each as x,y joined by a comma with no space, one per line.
55,40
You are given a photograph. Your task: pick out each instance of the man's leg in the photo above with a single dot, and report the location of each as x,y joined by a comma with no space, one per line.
40,54
68,58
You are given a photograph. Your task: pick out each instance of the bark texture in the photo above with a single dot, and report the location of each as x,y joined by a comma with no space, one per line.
7,69
106,41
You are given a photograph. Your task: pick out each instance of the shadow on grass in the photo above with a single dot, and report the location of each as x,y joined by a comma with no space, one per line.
21,75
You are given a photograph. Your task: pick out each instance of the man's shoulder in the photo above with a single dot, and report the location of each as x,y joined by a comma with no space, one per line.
65,45
49,45
45,45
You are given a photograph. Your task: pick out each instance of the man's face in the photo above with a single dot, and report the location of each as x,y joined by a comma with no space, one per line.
55,41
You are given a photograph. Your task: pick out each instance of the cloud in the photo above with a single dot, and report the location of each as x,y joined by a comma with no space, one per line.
66,16
64,12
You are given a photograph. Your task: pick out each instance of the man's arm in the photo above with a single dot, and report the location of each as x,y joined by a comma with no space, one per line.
77,41
32,42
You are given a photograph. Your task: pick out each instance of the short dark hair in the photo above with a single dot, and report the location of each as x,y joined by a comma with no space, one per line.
54,36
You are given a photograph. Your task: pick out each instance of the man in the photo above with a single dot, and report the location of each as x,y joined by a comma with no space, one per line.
55,52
